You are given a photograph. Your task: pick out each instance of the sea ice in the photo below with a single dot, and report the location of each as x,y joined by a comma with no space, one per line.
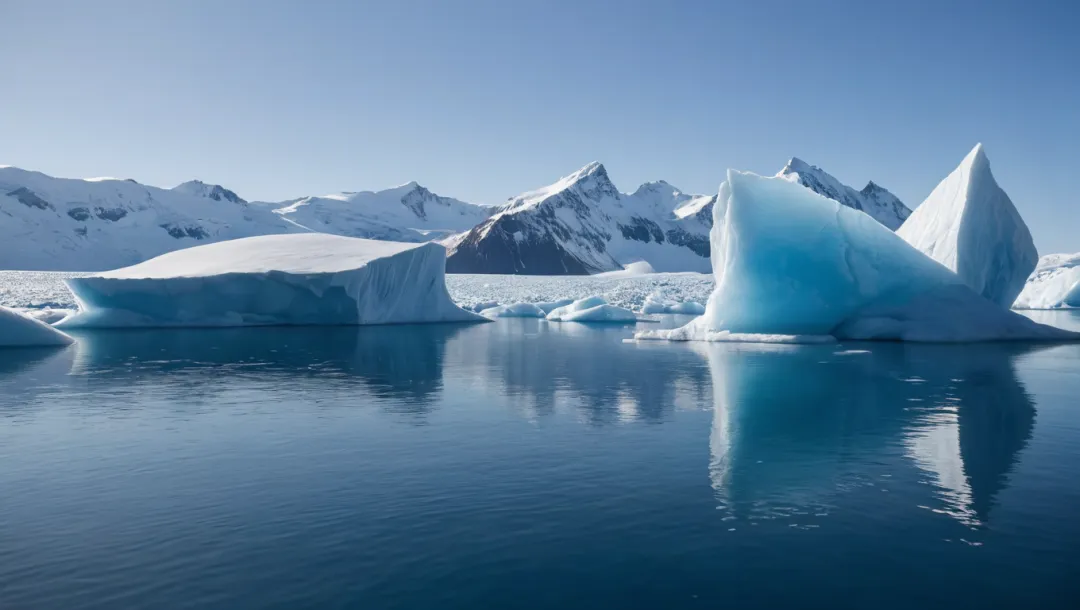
789,262
591,309
548,306
17,330
1055,284
517,310
308,278
970,225
655,304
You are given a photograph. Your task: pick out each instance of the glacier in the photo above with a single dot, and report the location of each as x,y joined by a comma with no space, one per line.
1055,284
971,226
300,279
17,330
793,266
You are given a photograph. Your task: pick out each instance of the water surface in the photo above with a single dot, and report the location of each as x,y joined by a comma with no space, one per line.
523,464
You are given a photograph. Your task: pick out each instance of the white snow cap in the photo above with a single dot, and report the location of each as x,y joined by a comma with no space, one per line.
970,225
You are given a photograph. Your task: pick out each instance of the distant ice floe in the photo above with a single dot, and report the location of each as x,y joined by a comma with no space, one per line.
303,279
517,310
591,309
1054,285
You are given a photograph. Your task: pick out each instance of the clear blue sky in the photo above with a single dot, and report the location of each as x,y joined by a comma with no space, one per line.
481,100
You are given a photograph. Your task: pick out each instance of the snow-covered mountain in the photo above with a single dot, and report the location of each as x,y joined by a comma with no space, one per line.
209,191
582,224
879,203
408,212
64,224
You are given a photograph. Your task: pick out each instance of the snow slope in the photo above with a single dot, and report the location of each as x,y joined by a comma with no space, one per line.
51,223
17,330
1055,284
277,279
790,263
405,213
879,203
582,224
970,225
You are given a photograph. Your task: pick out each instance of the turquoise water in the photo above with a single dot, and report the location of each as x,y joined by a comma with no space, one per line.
531,465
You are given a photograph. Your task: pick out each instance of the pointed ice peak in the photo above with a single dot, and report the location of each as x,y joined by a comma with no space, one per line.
969,224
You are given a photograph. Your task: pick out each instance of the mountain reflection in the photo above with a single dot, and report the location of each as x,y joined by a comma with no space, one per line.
542,367
796,426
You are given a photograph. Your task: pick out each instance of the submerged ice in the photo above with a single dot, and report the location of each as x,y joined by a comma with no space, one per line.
307,279
793,265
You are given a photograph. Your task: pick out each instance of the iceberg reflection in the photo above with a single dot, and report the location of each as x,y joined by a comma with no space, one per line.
797,428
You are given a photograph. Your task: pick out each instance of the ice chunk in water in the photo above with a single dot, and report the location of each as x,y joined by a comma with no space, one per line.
307,278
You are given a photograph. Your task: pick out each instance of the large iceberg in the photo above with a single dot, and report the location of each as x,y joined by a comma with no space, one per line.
791,265
970,225
1055,284
298,279
17,330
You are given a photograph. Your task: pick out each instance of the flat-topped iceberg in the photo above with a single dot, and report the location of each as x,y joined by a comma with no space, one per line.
795,266
302,279
17,330
970,225
1055,284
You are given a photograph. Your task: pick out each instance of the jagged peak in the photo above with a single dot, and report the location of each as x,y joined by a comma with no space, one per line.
594,169
873,187
657,186
796,165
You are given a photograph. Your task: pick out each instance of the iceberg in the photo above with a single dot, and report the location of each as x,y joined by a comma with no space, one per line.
591,309
517,310
1055,284
300,279
655,304
17,330
970,225
792,266
548,306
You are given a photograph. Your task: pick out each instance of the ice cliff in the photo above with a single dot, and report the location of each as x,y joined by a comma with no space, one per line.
302,279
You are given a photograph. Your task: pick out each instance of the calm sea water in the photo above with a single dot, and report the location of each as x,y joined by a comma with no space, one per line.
530,465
